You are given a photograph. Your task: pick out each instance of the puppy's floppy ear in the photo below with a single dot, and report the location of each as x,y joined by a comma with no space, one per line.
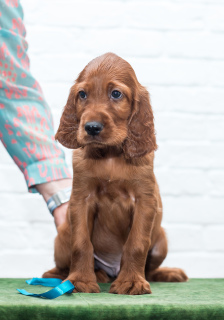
141,135
67,131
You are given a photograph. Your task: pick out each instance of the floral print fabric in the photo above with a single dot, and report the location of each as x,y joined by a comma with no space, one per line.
26,126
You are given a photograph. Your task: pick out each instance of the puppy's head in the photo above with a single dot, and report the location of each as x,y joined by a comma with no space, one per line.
108,107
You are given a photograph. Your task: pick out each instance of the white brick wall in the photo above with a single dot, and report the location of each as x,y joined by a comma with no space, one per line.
177,51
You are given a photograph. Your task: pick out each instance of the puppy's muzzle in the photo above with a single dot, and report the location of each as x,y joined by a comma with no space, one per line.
93,128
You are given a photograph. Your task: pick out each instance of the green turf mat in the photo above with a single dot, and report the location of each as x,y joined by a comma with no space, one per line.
195,299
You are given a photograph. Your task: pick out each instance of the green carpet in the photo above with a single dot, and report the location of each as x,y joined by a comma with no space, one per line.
195,299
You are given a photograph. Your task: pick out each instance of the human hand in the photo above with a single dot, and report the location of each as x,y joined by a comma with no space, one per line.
48,189
60,214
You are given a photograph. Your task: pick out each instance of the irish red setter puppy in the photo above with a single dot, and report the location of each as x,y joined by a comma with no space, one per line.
113,228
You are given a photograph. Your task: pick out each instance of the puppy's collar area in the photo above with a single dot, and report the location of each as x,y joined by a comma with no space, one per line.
62,196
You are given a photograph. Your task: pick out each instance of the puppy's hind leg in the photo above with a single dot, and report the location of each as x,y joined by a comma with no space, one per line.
61,254
168,275
56,273
102,277
154,260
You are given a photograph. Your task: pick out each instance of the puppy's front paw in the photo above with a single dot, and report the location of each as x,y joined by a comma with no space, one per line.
84,286
130,286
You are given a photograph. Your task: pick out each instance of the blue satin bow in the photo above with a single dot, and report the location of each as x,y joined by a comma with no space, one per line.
60,288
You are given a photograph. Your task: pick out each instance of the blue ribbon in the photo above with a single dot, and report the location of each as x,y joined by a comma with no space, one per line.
46,282
60,288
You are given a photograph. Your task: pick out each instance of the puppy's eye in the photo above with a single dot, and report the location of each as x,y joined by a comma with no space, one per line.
82,94
115,94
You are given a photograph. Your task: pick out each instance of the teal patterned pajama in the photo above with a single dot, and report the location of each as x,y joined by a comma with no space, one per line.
26,126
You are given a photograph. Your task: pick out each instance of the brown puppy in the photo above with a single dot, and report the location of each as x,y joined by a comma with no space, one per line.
115,210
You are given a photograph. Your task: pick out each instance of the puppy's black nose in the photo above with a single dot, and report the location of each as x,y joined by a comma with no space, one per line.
93,128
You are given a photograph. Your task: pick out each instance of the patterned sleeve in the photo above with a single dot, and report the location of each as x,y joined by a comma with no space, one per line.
26,126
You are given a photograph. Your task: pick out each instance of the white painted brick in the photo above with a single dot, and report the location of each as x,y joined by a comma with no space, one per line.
203,45
198,210
178,126
185,154
181,72
197,264
33,236
16,208
214,238
12,237
149,71
207,2
68,156
123,42
214,18
184,237
12,179
217,182
217,74
165,15
50,68
190,182
56,95
187,99
77,13
25,264
217,132
40,236
182,182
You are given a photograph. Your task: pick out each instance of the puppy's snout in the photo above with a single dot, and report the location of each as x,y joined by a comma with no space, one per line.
93,128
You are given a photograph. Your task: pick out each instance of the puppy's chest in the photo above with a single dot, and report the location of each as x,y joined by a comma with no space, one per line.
112,180
115,204
112,169
107,183
114,191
